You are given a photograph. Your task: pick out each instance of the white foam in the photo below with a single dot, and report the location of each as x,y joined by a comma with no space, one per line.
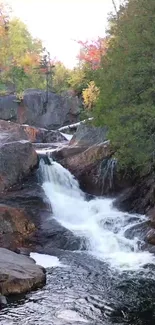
46,260
70,316
96,220
67,136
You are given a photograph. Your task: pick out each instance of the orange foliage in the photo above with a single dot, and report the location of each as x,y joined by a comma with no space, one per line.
92,52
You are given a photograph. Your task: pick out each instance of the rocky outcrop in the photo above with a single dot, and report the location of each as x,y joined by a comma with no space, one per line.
138,195
35,110
87,167
16,162
10,131
67,151
15,227
19,273
88,135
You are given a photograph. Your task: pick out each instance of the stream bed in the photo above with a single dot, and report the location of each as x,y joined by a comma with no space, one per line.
110,280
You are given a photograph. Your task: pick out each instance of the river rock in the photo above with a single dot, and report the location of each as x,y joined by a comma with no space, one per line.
67,151
27,205
88,135
15,226
34,110
138,195
19,273
11,132
17,160
86,167
150,237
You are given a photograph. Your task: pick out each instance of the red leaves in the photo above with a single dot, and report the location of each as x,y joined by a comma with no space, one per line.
92,52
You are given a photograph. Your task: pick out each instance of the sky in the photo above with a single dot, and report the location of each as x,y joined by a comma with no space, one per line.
61,23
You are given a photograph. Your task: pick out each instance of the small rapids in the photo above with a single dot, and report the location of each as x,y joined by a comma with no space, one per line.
96,220
111,281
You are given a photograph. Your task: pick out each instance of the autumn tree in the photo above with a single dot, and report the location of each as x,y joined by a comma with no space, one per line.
90,95
20,54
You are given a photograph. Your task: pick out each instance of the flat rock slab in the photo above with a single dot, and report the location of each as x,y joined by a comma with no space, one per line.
19,273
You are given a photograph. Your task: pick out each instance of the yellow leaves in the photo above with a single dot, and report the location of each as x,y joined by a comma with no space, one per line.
29,60
90,95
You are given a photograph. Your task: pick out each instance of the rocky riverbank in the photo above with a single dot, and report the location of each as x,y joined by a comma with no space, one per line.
24,208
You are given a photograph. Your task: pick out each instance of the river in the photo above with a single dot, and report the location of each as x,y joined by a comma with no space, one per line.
110,280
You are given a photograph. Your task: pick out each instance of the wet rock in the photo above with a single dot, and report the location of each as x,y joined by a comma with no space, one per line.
151,215
34,110
138,195
150,237
15,226
88,135
68,151
16,162
53,235
29,200
18,273
86,167
139,230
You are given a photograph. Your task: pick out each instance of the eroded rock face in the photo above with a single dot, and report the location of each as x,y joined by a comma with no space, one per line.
19,273
139,196
88,135
10,131
85,166
17,159
33,109
15,227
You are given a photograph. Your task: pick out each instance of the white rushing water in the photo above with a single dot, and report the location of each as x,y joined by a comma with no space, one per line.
96,220
46,260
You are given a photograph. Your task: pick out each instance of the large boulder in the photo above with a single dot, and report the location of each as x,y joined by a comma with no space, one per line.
17,160
35,110
87,167
11,132
19,273
88,135
15,226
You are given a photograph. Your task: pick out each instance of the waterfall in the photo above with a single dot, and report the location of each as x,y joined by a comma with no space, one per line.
106,173
97,220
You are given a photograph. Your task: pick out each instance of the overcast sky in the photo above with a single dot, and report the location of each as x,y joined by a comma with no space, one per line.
59,23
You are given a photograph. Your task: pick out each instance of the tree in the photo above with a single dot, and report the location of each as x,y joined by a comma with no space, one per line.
92,52
60,77
127,84
20,54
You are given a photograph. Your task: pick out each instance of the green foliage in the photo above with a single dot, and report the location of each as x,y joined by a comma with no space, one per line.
126,79
60,80
20,55
77,80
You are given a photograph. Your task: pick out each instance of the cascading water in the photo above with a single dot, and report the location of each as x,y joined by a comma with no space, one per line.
87,287
103,226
